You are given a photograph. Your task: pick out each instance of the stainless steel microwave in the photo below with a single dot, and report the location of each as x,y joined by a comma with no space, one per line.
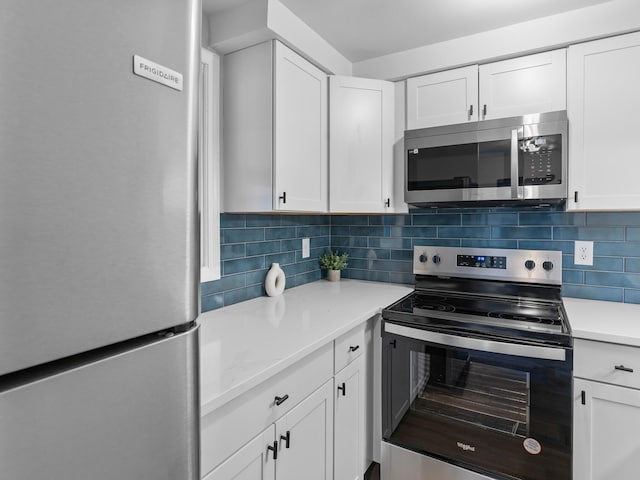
504,161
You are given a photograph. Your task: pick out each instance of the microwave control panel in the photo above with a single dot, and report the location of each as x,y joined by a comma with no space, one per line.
541,160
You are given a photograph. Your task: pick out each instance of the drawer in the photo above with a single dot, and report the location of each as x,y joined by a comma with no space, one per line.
598,360
228,428
348,347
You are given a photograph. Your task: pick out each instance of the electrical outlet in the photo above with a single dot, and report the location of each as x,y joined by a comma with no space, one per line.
306,246
583,253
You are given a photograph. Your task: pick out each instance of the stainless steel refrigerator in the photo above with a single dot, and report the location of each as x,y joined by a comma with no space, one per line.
98,241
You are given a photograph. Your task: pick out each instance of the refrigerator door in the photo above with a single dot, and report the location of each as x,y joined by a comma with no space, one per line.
131,415
98,201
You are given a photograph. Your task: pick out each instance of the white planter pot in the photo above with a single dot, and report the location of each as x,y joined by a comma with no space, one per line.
333,275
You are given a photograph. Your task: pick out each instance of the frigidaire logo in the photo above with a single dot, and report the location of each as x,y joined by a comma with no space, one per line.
156,72
465,447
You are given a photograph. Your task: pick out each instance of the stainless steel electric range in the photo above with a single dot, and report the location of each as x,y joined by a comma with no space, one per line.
476,373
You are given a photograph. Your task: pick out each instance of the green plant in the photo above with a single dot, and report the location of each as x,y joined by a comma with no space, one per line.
333,261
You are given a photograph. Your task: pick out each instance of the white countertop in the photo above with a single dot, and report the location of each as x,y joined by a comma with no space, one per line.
244,344
612,322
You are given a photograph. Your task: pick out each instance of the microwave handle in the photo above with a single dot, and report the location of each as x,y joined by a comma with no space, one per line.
516,191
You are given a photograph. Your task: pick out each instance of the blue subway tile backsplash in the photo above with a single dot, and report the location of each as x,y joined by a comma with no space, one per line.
380,247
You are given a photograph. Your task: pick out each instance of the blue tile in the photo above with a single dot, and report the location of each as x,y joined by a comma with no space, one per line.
410,232
225,283
316,242
480,243
296,220
370,253
542,233
593,293
291,245
396,243
284,258
607,264
279,233
262,248
237,235
313,231
611,279
632,265
552,218
349,220
464,232
436,219
616,249
340,230
263,220
390,220
242,265
211,302
633,234
236,296
392,266
435,242
256,277
234,250
406,255
232,220
346,241
370,231
370,275
573,276
588,233
405,278
564,247
360,263
490,219
632,296
308,277
613,218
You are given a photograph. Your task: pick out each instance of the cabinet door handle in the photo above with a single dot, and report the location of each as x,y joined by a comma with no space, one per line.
387,203
343,388
286,438
353,349
484,110
393,343
623,368
575,196
280,400
583,397
470,111
283,197
274,449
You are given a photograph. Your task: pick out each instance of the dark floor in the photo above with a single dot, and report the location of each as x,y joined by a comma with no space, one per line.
373,473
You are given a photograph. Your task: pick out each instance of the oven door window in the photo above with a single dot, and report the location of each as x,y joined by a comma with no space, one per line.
472,165
484,411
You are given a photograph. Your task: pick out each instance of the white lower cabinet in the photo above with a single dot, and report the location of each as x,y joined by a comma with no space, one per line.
349,428
606,411
251,462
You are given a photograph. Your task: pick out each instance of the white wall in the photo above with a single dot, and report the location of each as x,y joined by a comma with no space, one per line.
618,16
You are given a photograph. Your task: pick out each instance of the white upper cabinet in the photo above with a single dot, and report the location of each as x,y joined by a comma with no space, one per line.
509,88
275,131
603,80
443,98
361,132
531,84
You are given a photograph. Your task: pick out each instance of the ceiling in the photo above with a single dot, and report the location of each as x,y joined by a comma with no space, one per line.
363,29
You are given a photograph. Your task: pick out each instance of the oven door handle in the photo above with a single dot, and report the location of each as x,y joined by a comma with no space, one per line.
492,346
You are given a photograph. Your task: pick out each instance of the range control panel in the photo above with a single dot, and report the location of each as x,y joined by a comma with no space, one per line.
532,266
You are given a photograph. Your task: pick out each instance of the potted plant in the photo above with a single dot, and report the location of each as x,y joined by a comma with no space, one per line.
333,263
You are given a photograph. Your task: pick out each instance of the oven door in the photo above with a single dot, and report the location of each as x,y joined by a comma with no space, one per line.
497,408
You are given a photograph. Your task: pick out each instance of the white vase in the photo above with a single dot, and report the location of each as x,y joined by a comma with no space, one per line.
333,275
275,281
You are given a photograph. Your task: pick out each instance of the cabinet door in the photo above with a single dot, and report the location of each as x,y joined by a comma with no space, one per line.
443,98
254,461
524,85
605,432
361,145
603,101
349,427
300,133
309,430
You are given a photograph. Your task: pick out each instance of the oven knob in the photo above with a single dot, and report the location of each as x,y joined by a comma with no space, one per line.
423,258
548,266
529,264
436,259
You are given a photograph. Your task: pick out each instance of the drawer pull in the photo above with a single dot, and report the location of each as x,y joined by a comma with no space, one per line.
286,438
353,349
583,397
343,388
623,368
280,400
274,449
